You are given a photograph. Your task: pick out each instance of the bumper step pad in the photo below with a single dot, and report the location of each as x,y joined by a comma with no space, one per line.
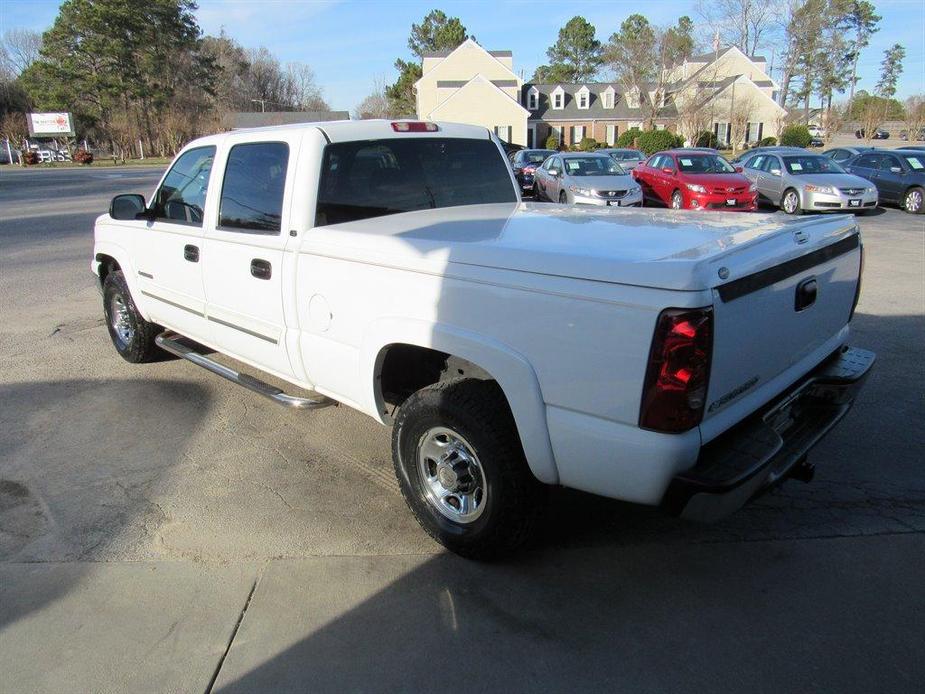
763,449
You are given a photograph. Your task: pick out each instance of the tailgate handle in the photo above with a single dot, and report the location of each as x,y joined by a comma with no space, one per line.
806,294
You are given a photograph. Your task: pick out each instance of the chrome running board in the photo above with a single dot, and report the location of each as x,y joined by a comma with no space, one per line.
176,344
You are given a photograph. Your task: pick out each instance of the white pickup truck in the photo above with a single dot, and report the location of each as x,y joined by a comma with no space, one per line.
680,359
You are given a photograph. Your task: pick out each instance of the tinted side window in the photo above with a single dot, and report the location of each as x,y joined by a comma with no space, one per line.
773,163
868,161
755,162
373,178
887,161
182,195
252,191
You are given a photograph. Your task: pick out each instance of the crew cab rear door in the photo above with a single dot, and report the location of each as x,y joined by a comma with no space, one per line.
244,250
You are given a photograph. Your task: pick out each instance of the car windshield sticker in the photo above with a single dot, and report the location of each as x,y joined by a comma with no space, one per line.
915,163
687,162
796,166
572,165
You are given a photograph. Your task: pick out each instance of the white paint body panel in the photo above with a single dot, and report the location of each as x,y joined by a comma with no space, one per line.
557,304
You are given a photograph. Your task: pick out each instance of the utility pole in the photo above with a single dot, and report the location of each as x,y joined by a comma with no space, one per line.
263,104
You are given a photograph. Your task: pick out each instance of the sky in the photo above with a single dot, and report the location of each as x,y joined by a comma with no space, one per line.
353,44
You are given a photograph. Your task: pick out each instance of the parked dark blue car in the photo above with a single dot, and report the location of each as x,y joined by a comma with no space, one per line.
899,175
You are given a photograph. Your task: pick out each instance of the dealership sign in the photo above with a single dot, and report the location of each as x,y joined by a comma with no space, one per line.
50,124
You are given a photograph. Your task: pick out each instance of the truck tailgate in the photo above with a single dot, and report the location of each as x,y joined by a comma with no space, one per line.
781,319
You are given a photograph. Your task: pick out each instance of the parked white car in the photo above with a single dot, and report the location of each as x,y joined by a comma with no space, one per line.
683,360
582,178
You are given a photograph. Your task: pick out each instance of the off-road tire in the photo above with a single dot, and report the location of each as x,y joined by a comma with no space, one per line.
479,412
140,348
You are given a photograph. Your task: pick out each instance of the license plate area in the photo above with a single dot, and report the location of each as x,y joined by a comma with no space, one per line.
613,203
854,202
731,202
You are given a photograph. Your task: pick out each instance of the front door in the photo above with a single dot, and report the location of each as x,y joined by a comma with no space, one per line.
890,177
772,179
244,250
168,248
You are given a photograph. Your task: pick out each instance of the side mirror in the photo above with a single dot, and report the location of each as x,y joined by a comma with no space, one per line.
740,169
667,170
896,169
775,172
554,173
128,206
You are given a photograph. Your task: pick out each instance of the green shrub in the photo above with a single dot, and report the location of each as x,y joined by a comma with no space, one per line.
767,142
795,136
628,139
588,144
652,141
705,139
552,142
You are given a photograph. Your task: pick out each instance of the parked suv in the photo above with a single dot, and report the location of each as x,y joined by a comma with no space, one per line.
899,176
524,163
694,180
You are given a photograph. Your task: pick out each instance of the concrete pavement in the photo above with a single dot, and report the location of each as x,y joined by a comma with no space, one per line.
140,506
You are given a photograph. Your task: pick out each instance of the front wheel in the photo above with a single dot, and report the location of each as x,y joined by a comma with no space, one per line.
563,198
131,335
913,201
791,202
462,471
677,200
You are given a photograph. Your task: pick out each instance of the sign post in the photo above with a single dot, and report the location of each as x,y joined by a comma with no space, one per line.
50,124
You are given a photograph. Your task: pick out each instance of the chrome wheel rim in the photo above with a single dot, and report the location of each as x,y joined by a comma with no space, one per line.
676,202
120,320
790,202
451,475
913,201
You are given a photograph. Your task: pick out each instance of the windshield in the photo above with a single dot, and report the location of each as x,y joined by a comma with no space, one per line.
630,156
812,164
592,166
537,156
704,164
915,161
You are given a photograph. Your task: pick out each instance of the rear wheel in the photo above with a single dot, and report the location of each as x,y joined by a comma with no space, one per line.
462,470
790,203
131,335
677,200
913,201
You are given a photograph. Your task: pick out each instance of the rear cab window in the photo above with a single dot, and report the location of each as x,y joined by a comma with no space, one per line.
374,178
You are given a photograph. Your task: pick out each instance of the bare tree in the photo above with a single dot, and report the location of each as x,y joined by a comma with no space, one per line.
19,49
740,113
915,116
304,91
741,23
873,113
376,105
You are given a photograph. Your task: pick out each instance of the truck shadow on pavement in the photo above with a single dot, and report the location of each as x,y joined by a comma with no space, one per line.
74,469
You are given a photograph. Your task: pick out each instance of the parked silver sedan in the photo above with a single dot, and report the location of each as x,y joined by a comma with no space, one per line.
579,178
798,182
626,158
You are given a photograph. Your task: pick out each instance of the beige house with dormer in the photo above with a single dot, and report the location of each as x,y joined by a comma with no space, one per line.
725,92
473,85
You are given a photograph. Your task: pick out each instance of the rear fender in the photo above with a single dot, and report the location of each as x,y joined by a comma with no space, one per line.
509,368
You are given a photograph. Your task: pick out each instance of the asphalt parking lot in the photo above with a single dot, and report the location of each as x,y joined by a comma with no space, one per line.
163,530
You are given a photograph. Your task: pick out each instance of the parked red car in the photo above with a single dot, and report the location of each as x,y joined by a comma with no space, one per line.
687,179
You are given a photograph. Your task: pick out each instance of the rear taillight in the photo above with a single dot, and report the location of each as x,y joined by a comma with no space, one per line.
857,291
410,126
679,370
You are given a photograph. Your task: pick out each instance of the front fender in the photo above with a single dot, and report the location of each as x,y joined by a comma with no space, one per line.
509,368
123,258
